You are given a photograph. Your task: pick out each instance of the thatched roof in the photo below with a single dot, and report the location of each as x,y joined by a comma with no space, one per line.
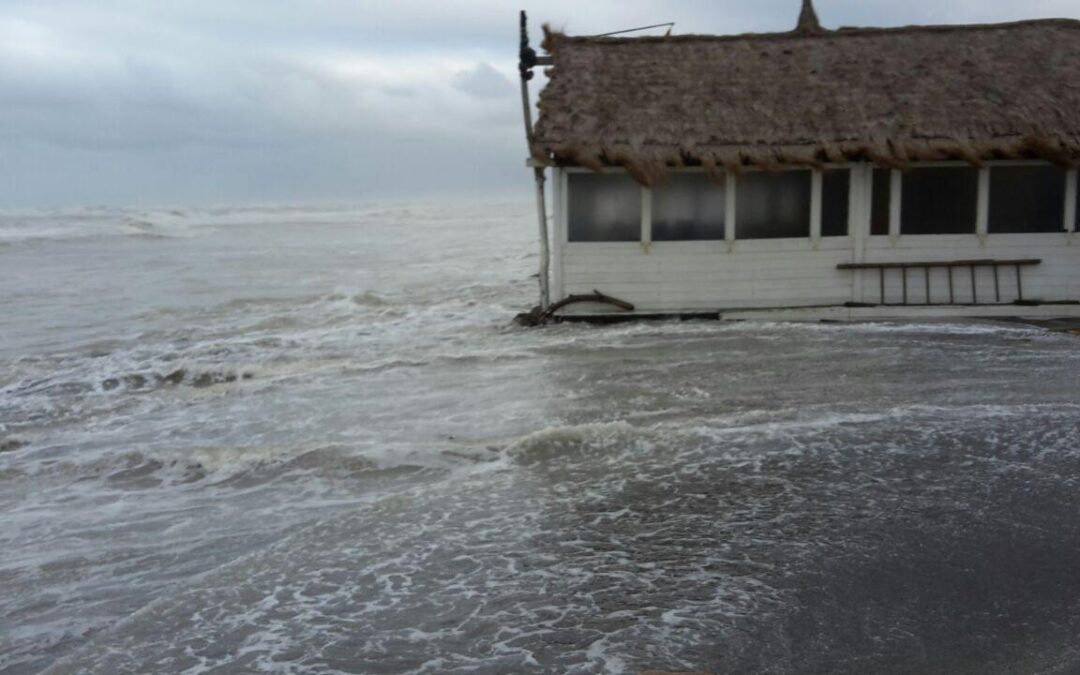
888,95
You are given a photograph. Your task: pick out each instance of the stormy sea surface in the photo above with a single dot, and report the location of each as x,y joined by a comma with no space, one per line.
308,440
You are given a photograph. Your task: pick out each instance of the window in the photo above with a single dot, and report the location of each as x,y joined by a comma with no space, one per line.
834,202
879,201
603,207
939,200
773,205
1027,199
689,207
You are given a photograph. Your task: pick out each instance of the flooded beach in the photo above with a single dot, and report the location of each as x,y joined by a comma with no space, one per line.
286,439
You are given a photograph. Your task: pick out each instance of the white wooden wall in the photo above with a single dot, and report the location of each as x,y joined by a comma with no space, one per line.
763,273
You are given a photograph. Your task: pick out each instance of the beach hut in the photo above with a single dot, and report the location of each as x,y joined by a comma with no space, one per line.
921,170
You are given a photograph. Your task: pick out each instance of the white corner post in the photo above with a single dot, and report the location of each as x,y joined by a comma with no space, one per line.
816,183
545,254
861,183
896,184
982,210
729,210
1070,200
646,220
558,231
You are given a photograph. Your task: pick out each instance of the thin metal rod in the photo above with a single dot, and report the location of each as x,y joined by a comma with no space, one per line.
974,294
903,272
926,273
1019,286
952,297
670,24
997,285
881,276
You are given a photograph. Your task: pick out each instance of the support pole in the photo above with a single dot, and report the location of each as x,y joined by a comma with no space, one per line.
527,60
545,255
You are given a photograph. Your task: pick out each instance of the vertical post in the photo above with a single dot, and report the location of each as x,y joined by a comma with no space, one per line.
646,219
952,296
903,271
526,61
881,283
982,209
926,278
974,291
729,209
895,185
1070,200
545,255
558,230
997,285
858,222
816,181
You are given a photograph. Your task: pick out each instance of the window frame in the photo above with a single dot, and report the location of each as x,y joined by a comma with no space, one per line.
647,209
1068,178
982,198
730,200
564,204
982,214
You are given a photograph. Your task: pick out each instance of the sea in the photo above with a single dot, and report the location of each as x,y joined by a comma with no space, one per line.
310,439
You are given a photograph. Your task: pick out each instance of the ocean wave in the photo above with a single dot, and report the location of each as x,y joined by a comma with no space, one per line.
729,431
89,224
369,299
59,385
239,466
12,443
562,442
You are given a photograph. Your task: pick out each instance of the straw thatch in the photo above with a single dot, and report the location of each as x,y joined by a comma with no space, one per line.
811,96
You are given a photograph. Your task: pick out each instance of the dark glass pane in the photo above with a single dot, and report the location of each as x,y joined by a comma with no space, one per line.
689,207
834,202
1027,199
879,201
773,205
939,200
603,207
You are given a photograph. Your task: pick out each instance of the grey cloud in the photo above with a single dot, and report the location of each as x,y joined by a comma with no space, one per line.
156,101
483,81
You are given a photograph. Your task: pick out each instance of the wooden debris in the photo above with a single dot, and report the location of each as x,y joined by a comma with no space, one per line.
538,317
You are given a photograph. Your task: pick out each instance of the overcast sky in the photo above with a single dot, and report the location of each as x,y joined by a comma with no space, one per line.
146,102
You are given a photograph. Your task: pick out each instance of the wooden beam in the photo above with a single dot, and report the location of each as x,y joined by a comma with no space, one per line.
938,263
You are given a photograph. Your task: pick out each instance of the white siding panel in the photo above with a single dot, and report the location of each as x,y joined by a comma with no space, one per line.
1056,278
677,276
